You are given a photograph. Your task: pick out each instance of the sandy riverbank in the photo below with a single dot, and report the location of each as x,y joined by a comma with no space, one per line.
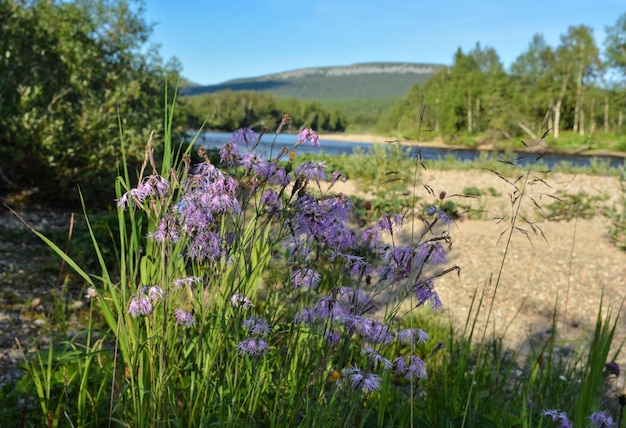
569,264
375,138
438,143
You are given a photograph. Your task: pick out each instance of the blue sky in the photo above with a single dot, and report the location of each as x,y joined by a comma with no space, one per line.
219,40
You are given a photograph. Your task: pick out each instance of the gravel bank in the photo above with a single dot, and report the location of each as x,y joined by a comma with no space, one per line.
570,266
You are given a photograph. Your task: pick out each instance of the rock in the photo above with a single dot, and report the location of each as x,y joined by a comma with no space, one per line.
39,322
75,305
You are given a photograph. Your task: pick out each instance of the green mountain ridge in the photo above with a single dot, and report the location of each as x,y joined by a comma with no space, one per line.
351,82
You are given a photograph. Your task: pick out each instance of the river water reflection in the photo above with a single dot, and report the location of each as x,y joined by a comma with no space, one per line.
214,140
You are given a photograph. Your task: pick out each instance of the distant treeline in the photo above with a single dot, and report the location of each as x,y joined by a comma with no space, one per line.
557,89
228,110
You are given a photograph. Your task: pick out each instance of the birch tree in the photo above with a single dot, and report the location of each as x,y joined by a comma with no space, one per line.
580,58
532,70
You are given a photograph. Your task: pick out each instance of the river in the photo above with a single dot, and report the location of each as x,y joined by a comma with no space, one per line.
214,140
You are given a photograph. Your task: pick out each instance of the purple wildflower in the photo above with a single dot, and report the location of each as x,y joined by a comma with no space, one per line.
257,326
149,186
440,215
416,367
424,292
159,185
305,316
245,136
389,221
305,278
184,318
558,416
360,380
253,160
601,420
437,253
413,336
371,330
307,134
399,260
355,297
271,173
421,254
139,305
206,246
229,153
324,221
209,195
372,237
222,196
189,281
241,301
155,293
205,172
311,171
328,307
252,347
357,265
272,201
411,369
123,201
400,365
167,231
332,337
377,358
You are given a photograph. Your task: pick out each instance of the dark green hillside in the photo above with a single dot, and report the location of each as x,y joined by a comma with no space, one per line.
357,81
362,114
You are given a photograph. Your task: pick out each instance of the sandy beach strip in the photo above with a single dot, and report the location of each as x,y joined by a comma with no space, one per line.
375,138
438,143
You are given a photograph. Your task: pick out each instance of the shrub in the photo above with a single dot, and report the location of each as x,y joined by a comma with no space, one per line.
617,216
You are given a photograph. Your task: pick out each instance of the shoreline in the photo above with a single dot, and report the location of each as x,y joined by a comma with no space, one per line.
438,143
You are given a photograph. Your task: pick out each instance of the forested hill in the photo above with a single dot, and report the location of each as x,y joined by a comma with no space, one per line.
356,81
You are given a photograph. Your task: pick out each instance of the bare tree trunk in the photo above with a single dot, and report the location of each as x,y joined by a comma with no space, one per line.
581,122
557,109
620,120
592,116
470,125
477,113
606,113
557,117
579,85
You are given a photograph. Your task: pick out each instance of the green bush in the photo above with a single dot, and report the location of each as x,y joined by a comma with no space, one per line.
567,206
74,72
617,216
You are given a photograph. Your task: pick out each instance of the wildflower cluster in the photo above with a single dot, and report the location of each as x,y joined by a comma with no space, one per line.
598,419
224,224
254,344
142,303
